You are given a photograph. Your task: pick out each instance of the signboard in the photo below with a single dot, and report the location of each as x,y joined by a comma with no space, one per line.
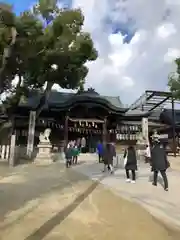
163,136
32,121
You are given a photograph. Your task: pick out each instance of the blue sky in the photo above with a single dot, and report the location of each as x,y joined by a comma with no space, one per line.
20,5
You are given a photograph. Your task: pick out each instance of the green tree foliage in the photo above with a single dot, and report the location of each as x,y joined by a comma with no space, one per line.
8,35
50,48
174,80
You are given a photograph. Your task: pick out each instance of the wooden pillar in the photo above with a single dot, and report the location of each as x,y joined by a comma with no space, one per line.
31,133
12,150
105,131
66,131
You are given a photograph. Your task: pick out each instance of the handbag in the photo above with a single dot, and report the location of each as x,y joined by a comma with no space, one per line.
125,159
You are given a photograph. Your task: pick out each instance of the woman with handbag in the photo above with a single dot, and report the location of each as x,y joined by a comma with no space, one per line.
159,162
130,163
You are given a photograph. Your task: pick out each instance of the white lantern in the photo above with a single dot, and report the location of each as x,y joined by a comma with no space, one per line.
54,66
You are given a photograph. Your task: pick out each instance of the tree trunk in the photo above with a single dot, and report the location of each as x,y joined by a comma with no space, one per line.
44,99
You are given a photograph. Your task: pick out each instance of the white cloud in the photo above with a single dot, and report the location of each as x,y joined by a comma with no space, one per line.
125,69
171,55
166,30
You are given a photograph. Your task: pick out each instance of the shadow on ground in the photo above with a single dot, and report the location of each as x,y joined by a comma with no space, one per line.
17,189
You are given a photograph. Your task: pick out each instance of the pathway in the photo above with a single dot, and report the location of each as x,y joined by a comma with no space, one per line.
161,204
51,202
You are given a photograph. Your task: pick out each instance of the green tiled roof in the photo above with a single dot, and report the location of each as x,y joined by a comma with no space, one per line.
114,101
60,98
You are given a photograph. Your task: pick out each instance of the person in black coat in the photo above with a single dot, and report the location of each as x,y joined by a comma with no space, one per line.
159,163
131,164
109,152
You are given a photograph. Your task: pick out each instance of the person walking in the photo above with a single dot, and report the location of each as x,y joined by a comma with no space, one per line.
100,151
147,154
159,162
83,145
130,163
108,158
75,154
69,155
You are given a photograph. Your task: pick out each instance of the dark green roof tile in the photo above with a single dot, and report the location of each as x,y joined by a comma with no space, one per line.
60,98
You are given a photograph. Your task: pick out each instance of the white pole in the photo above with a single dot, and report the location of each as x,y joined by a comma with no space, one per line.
31,132
12,150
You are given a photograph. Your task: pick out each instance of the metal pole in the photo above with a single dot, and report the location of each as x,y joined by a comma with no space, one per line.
173,127
105,131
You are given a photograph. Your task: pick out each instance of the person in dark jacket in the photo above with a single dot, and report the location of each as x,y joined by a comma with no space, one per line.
69,155
131,163
159,163
100,149
108,157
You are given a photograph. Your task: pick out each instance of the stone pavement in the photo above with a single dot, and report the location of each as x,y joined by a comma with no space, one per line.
161,204
30,194
175,162
51,202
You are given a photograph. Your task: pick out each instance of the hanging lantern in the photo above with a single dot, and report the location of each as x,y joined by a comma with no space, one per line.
79,123
93,124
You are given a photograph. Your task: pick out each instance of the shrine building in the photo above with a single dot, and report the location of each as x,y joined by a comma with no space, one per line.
96,117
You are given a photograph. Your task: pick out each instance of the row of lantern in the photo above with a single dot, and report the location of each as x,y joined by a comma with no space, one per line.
50,124
128,128
40,123
119,136
24,133
57,125
86,125
127,136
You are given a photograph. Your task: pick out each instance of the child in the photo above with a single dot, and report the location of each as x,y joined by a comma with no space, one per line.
75,154
68,155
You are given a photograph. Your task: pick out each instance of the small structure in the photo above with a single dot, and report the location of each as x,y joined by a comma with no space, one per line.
44,154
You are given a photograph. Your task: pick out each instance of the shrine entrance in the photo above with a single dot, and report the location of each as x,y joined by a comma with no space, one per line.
90,129
82,122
